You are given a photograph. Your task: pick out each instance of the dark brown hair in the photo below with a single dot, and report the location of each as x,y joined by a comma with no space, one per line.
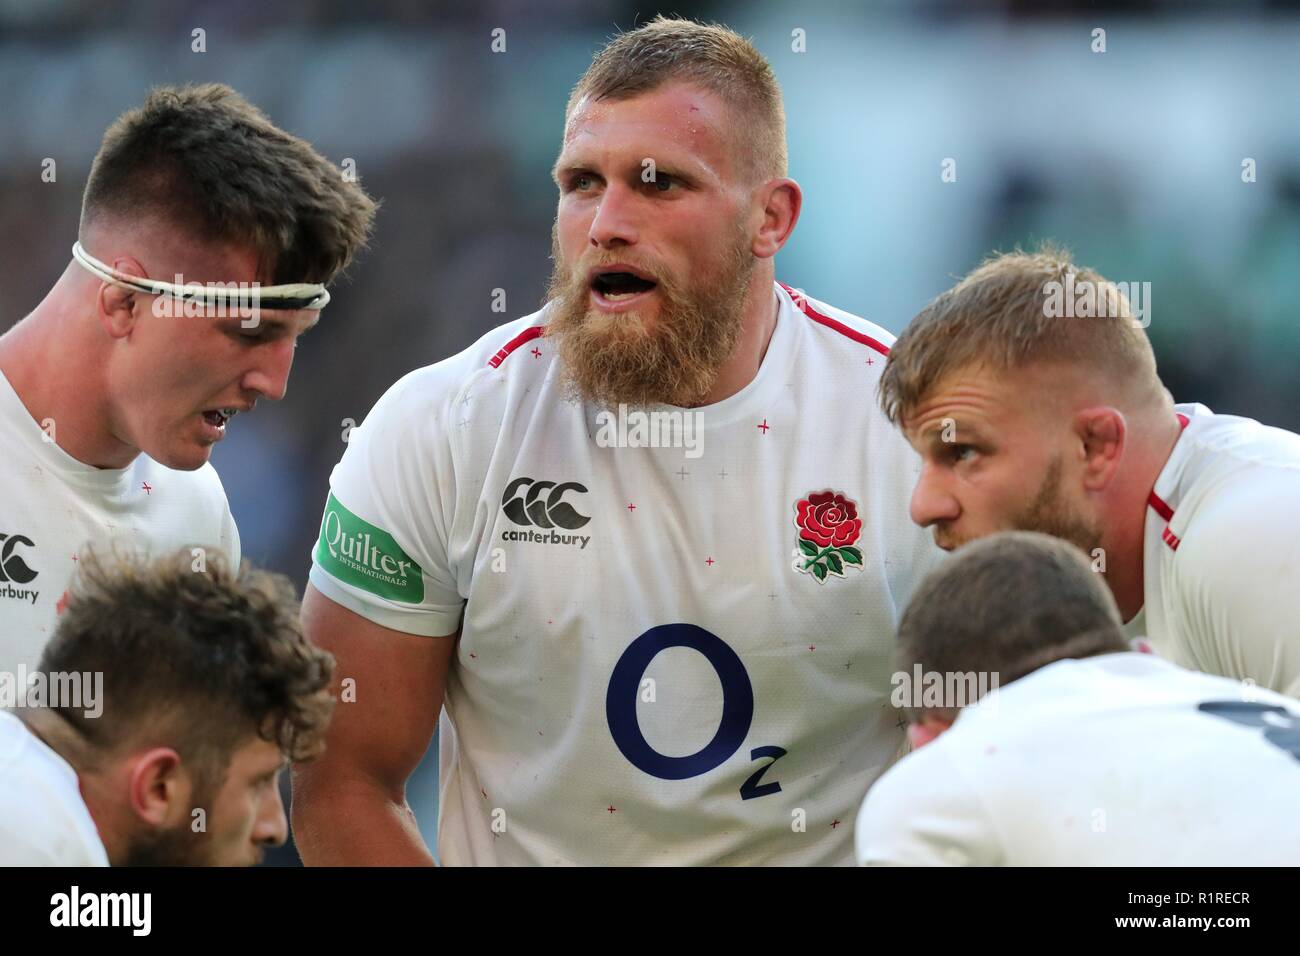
996,318
1007,604
197,660
206,159
710,56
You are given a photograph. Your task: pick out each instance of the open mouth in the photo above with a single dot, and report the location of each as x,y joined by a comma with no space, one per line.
217,417
616,286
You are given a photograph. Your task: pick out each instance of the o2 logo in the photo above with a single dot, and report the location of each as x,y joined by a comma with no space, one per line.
737,709
1281,727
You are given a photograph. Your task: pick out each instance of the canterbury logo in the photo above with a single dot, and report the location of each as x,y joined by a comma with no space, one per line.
12,567
549,511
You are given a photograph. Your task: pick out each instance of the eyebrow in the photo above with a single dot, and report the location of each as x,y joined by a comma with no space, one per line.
965,434
685,167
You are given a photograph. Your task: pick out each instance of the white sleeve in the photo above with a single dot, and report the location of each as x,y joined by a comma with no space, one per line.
382,547
1237,582
922,813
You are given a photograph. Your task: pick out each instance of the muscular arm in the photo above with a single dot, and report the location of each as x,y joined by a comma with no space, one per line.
349,805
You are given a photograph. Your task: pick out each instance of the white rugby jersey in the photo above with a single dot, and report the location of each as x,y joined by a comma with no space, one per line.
1118,760
1221,560
43,819
676,654
52,506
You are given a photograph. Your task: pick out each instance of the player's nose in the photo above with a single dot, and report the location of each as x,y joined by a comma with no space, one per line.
271,828
614,224
270,375
931,500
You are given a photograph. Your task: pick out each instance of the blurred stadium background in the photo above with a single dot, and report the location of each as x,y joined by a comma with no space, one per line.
1132,158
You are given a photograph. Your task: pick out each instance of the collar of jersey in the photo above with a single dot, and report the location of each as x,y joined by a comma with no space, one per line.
1167,487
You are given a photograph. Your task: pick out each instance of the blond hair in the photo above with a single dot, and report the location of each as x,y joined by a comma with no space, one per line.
709,55
998,318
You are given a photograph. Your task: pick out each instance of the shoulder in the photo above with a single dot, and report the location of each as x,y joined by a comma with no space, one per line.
496,355
1244,519
1241,496
925,812
837,328
1232,447
43,821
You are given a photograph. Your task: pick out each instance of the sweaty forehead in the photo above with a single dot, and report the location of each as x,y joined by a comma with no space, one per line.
677,118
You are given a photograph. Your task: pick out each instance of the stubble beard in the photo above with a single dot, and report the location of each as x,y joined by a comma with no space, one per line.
1051,513
1048,512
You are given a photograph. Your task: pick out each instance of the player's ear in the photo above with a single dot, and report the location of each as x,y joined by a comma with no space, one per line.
117,307
1101,432
159,787
920,733
779,201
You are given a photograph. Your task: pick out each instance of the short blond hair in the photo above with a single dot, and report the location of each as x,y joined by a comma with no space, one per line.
709,55
997,318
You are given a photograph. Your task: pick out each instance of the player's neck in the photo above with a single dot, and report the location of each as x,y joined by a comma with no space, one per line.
59,377
761,306
61,737
1124,540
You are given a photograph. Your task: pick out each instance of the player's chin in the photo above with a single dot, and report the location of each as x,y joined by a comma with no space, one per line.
185,453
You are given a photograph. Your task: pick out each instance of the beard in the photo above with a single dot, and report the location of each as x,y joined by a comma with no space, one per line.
634,359
1048,512
174,846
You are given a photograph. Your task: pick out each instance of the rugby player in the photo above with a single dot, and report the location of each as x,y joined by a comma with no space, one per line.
1027,418
670,651
174,758
1086,753
114,390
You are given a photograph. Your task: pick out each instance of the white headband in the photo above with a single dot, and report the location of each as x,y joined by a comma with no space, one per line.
296,296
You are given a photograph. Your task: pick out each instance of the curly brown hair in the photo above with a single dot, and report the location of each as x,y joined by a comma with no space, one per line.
195,656
207,159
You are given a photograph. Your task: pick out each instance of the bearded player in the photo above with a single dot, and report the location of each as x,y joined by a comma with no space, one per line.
1034,420
674,654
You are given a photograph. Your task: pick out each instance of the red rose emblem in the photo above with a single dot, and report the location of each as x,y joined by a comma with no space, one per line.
829,519
828,525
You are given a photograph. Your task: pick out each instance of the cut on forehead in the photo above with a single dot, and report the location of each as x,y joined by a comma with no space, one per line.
675,123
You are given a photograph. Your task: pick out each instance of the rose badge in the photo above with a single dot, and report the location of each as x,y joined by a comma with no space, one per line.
828,526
